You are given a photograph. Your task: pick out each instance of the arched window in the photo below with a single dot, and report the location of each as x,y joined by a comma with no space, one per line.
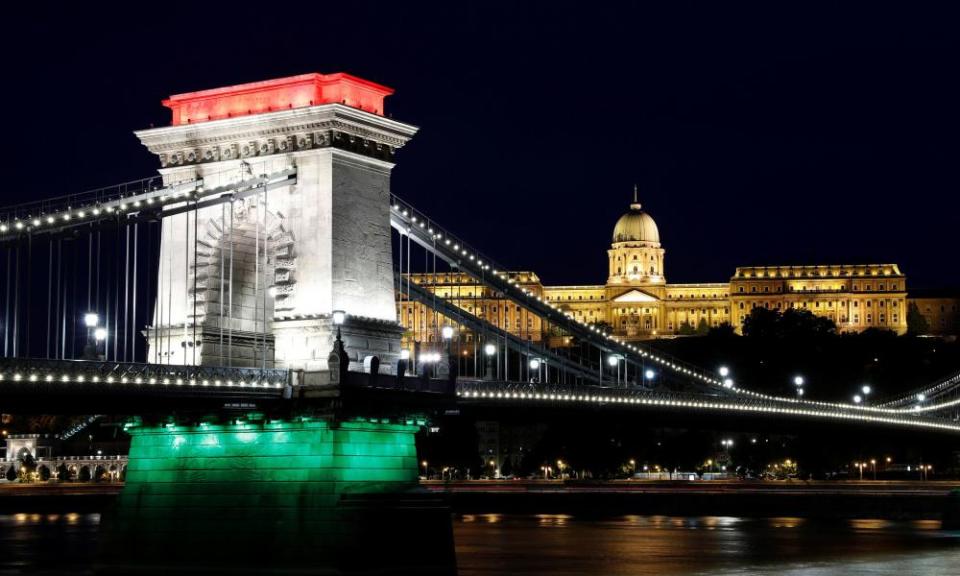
651,270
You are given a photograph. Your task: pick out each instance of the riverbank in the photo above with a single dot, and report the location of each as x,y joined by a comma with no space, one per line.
815,500
766,499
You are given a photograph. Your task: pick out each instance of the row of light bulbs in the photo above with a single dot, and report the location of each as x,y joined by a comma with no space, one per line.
80,379
704,405
80,214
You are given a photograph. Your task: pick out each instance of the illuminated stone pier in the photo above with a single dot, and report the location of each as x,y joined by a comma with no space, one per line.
272,496
254,282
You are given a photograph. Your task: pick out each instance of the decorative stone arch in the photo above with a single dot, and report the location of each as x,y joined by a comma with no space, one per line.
213,249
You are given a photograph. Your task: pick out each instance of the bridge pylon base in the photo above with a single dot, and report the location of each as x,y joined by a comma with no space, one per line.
299,495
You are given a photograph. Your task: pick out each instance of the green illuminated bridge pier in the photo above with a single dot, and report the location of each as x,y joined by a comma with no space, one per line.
237,314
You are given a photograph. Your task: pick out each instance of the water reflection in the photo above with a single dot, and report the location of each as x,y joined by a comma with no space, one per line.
564,545
48,543
641,545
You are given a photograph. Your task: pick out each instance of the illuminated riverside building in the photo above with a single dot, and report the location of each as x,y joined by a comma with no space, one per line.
638,303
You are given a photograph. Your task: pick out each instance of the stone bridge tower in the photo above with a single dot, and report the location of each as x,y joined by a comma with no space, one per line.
254,282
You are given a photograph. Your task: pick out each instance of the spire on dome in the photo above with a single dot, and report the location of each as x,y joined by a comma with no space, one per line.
636,203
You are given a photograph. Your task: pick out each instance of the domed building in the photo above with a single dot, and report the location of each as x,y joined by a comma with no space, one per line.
635,253
637,303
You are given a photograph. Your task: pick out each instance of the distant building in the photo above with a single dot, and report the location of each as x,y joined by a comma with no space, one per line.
42,450
940,308
637,303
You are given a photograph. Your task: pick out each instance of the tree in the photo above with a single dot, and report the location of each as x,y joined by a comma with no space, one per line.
27,465
800,323
11,473
84,474
63,473
916,322
762,323
686,329
724,330
702,327
794,323
44,473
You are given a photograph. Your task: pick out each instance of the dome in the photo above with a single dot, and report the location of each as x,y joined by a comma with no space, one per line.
636,226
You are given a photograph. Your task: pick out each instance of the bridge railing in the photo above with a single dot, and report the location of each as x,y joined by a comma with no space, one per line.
487,391
137,374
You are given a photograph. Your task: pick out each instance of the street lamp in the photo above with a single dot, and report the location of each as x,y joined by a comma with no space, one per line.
798,380
489,350
447,332
728,383
873,466
614,360
90,351
800,392
100,334
649,374
338,357
724,371
866,389
534,366
857,399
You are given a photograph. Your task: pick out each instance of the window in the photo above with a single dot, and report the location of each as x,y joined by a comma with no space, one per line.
741,305
740,289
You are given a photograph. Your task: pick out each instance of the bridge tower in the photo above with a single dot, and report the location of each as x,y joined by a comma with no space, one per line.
254,282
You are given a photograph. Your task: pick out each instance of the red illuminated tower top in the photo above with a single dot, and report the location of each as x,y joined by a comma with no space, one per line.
275,95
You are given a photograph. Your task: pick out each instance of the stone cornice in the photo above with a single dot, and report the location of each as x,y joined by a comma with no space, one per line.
329,125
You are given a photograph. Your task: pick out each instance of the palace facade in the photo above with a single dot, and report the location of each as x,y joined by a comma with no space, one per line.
637,302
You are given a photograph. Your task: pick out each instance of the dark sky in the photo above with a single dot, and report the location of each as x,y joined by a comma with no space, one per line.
789,133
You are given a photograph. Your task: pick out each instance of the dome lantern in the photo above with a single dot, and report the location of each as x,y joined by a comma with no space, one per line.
636,225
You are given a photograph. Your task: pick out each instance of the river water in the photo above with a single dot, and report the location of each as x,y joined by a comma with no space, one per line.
559,545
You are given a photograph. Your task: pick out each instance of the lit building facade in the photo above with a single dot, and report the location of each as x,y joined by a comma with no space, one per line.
637,302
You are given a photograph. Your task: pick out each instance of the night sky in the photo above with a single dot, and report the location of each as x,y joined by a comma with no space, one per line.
764,135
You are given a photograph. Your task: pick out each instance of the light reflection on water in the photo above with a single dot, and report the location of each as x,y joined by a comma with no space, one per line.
48,543
563,545
660,545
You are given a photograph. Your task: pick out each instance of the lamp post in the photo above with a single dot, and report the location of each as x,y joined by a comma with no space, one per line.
489,350
91,320
338,361
403,362
614,361
873,466
445,368
535,368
